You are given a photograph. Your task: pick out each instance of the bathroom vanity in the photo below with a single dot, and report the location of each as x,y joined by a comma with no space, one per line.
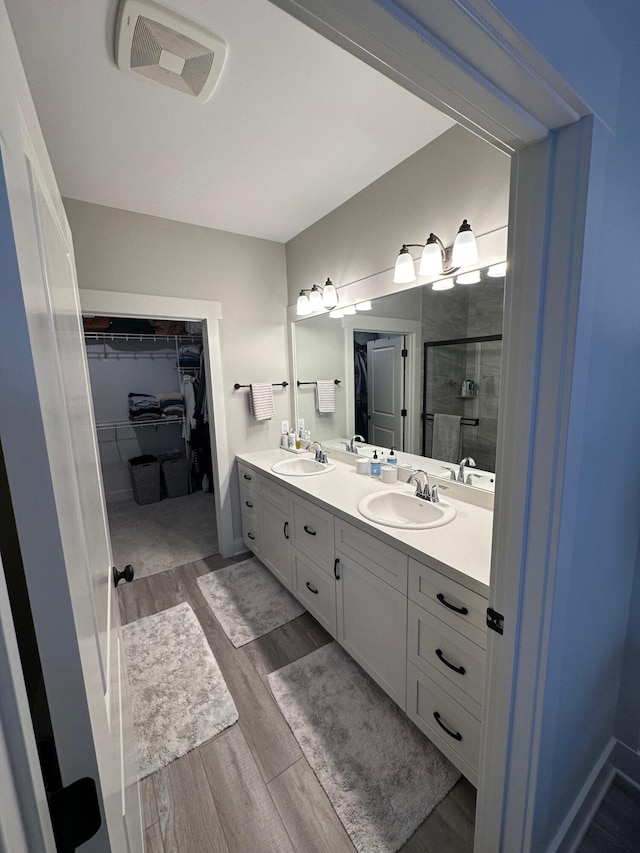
408,605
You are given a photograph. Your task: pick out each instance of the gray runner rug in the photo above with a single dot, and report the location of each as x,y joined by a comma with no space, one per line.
248,601
381,774
179,699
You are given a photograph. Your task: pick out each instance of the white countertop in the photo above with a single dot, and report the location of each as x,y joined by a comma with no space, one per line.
460,549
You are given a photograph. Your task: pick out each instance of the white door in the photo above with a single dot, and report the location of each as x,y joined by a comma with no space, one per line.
48,439
385,369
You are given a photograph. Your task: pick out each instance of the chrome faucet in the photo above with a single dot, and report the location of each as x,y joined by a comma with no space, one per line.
466,461
321,456
452,473
350,446
423,487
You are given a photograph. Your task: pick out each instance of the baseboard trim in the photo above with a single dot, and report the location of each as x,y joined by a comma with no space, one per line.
586,804
627,762
238,547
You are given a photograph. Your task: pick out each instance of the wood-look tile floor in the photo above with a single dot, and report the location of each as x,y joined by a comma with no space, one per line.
615,827
250,789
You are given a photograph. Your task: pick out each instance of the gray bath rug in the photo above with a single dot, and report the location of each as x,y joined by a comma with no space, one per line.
179,698
160,536
248,601
382,775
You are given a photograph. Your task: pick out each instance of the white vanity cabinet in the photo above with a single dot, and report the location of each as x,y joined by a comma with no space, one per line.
251,506
371,597
312,542
446,641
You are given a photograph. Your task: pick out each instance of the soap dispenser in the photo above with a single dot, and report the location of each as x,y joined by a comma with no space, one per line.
392,459
375,465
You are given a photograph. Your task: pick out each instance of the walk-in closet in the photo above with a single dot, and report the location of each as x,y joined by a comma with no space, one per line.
149,382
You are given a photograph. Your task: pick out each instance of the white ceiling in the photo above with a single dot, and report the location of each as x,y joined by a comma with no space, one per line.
295,126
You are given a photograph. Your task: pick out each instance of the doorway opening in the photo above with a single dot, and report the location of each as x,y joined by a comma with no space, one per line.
148,380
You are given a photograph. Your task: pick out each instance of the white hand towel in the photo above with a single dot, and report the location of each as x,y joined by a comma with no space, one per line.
261,401
446,438
326,395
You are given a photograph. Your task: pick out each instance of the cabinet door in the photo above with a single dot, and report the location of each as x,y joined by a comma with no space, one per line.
372,625
276,548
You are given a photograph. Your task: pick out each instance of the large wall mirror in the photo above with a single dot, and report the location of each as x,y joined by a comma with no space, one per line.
419,371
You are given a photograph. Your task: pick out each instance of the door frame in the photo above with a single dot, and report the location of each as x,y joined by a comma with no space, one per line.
142,306
457,57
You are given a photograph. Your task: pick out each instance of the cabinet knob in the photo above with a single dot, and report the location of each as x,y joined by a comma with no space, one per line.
125,575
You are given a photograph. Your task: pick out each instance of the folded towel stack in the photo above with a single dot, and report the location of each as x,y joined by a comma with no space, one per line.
189,355
144,407
326,395
171,404
261,401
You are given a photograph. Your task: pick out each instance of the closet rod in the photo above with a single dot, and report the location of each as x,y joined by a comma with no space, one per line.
275,385
315,382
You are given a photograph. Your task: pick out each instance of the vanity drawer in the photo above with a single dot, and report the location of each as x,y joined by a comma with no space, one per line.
433,644
275,494
316,590
248,477
451,728
382,560
249,502
252,534
450,601
312,532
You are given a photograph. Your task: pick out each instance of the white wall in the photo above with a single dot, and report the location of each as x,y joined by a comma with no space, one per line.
456,177
133,253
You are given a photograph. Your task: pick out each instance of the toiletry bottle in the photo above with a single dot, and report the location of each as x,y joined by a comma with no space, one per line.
375,465
392,459
299,439
463,390
292,440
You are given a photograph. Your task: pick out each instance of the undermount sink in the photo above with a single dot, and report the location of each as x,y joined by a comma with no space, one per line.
400,509
301,467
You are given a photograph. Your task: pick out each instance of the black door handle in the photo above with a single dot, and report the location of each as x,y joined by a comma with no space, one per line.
311,589
443,600
459,669
285,530
454,735
125,575
336,563
309,530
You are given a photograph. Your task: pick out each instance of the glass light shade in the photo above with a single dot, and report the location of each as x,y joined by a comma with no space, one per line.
405,271
302,307
315,299
336,315
363,306
465,251
330,295
431,260
444,284
469,277
497,270
350,309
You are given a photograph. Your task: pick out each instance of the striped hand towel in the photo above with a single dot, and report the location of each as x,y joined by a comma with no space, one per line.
261,401
326,395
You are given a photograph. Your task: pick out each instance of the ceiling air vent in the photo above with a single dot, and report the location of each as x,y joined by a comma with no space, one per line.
163,46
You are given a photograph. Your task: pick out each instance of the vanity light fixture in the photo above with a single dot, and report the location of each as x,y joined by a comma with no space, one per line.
318,298
443,284
336,315
350,309
436,259
363,306
497,270
468,277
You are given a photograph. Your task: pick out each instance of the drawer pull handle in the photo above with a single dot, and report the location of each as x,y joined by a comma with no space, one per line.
247,477
454,735
251,536
443,600
459,669
249,504
336,563
311,589
285,530
309,530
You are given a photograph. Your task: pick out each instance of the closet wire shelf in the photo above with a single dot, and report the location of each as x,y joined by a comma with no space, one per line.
122,424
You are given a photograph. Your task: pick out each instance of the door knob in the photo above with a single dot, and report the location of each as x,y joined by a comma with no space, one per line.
126,574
